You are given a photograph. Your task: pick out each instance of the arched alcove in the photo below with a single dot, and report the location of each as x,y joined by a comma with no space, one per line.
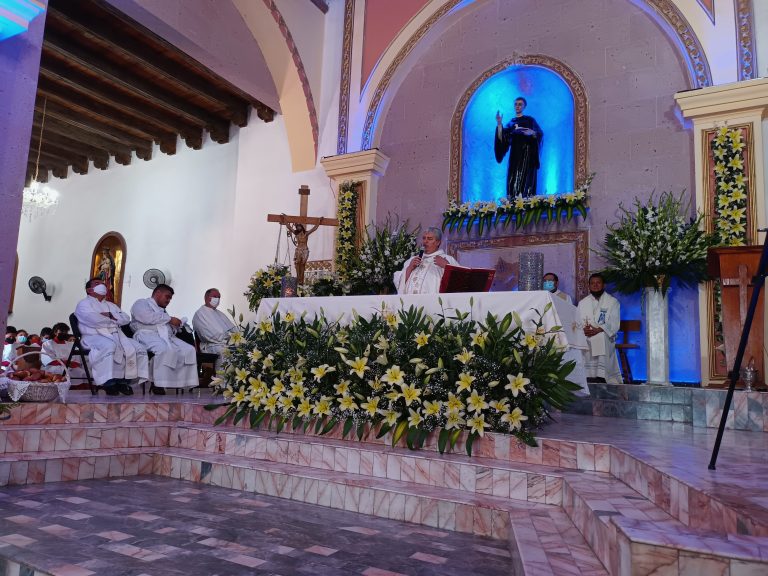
556,98
108,263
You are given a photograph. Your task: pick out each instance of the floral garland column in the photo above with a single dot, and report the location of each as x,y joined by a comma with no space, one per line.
730,184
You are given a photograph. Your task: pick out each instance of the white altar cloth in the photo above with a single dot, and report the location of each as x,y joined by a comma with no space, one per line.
478,304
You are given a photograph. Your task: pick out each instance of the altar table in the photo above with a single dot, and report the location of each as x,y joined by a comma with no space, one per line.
477,304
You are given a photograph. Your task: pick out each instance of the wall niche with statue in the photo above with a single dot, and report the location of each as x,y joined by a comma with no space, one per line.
108,264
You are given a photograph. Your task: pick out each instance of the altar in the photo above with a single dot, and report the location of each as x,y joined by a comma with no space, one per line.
478,305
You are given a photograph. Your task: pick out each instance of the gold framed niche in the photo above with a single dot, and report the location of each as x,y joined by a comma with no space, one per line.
569,259
108,263
580,116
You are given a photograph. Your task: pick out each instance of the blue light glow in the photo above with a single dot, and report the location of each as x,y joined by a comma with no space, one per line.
15,16
550,102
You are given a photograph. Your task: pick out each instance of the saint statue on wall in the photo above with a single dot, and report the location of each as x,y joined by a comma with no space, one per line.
107,264
522,136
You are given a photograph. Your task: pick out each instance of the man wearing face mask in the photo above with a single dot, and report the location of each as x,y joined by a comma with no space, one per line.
551,283
115,360
212,326
175,361
600,314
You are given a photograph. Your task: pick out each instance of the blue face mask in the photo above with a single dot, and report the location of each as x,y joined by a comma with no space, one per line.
549,285
21,339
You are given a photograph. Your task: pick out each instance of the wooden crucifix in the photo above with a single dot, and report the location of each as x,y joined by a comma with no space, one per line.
299,230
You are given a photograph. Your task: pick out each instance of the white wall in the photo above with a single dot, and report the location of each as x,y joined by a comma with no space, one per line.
175,213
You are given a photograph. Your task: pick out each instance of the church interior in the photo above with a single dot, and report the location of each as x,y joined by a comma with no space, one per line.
264,149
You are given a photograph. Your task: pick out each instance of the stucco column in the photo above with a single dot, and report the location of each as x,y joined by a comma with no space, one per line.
19,67
366,167
739,104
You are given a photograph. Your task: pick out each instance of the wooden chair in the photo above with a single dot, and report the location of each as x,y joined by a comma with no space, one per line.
79,350
625,327
204,359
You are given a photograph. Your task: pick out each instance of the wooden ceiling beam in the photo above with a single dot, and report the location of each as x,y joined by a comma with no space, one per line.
119,151
110,31
99,156
87,107
42,173
79,162
142,146
79,83
131,137
218,128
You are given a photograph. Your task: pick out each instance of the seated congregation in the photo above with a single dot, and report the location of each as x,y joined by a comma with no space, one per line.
111,349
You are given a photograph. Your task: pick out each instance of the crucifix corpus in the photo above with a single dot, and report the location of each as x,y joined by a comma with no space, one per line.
299,228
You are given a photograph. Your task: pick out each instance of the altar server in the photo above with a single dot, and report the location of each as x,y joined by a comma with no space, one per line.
175,362
115,360
600,314
551,283
56,350
422,274
212,326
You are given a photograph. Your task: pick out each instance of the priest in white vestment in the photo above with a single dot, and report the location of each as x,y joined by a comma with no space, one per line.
422,274
212,326
600,314
116,361
175,361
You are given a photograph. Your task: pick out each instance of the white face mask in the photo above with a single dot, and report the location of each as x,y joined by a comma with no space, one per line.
100,289
215,302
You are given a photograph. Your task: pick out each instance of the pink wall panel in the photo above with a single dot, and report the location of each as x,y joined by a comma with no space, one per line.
383,20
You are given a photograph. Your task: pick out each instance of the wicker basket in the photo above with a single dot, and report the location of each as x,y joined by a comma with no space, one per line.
36,391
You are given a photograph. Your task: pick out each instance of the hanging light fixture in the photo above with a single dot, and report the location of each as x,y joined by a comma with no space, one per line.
39,199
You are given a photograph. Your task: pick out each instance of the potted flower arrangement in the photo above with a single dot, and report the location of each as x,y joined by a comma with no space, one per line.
404,373
649,247
265,283
382,254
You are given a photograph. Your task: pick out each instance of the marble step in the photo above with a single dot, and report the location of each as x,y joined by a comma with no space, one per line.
631,535
65,437
479,475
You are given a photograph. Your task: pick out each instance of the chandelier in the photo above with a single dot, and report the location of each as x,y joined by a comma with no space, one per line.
38,199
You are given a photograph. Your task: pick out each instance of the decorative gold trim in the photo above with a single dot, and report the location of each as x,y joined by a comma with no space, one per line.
698,66
745,40
346,76
693,52
580,116
381,88
709,224
580,240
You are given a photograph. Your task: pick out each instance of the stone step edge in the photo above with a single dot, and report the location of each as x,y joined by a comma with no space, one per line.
753,548
451,495
672,481
363,445
531,557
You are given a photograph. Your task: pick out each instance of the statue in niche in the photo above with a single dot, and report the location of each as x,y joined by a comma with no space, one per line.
522,137
108,264
106,273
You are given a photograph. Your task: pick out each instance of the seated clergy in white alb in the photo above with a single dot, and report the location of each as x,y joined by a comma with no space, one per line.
601,315
175,362
422,274
116,361
212,326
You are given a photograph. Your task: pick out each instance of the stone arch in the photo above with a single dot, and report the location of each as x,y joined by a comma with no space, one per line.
432,20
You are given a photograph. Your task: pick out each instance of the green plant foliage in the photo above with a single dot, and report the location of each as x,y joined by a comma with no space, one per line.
402,373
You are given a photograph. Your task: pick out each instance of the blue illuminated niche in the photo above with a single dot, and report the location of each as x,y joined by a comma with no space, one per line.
15,16
550,102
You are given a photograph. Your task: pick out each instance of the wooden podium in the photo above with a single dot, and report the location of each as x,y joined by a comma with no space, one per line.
735,266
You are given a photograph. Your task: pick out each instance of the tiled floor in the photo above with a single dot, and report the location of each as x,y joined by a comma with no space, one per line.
155,526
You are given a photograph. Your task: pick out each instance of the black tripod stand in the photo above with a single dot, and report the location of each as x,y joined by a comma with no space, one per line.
757,282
